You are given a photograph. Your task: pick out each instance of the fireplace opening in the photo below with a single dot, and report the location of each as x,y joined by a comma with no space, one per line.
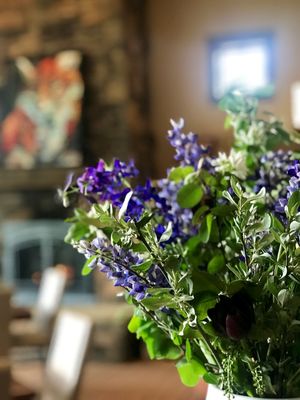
31,246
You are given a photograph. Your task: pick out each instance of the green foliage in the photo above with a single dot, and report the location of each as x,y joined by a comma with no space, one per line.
189,195
158,345
190,371
240,248
179,173
86,269
216,264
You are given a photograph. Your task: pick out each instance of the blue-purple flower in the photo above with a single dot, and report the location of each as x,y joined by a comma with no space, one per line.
188,150
169,209
272,171
117,264
293,171
101,183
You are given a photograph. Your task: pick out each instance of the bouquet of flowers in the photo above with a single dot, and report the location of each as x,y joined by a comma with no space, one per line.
209,256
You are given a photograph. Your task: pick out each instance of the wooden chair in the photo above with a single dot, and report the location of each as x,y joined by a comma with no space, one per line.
36,331
65,360
5,294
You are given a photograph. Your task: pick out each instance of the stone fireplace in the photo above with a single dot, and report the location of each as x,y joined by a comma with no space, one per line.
111,36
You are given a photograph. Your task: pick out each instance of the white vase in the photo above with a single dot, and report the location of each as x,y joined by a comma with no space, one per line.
213,393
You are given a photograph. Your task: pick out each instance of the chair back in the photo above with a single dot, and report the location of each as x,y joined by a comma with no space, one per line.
67,351
5,316
49,296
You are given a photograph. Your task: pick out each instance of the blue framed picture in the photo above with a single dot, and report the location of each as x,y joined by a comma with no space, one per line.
243,62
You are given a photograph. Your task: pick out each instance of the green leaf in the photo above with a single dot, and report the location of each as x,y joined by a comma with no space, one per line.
106,221
294,203
76,232
86,269
205,228
265,241
159,346
237,188
276,224
261,226
144,220
189,195
167,233
205,282
222,211
190,371
159,298
227,122
139,247
235,286
198,214
188,350
228,196
179,173
134,324
274,140
193,243
208,178
216,264
143,267
203,302
210,378
295,226
283,296
266,222
256,197
171,263
115,237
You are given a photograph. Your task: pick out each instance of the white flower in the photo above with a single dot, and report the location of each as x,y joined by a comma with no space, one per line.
177,125
254,136
234,164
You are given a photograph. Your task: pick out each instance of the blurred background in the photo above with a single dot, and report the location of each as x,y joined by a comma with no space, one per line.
87,79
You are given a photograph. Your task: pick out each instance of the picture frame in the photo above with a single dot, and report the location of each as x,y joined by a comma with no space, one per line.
41,104
244,61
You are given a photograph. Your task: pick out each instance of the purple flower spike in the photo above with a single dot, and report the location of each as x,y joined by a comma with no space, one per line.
188,151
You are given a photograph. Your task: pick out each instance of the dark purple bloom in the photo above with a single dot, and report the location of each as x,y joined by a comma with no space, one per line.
103,183
233,316
294,169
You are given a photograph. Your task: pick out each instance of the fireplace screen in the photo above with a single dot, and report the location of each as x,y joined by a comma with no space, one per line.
30,247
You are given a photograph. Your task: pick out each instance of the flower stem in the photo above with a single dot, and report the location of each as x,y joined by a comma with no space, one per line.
210,347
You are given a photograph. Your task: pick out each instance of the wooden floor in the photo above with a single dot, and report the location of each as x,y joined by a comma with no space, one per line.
142,380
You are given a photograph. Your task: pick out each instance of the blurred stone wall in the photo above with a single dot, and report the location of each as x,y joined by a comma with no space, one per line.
111,35
99,28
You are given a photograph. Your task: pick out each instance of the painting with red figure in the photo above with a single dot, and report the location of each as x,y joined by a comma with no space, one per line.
40,112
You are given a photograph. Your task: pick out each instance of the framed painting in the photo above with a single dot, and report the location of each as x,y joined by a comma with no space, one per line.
40,112
242,62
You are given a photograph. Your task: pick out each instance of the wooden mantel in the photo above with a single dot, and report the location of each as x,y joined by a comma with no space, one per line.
33,179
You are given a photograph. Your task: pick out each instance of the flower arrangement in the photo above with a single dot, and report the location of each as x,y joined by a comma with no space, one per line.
209,256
